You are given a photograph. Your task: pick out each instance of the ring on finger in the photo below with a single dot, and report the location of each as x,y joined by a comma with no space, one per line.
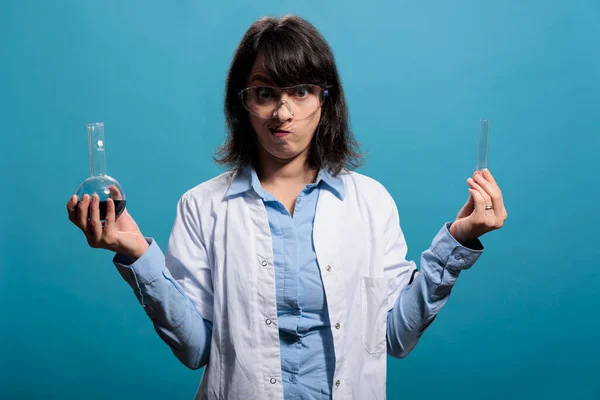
489,207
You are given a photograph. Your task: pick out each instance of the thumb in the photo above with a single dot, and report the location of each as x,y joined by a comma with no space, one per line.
467,209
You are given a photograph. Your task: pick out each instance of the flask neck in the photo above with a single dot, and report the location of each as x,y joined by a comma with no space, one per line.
96,146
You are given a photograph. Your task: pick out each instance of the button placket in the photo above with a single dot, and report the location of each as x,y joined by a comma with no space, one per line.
263,261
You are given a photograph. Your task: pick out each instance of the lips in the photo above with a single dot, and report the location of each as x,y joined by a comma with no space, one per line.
278,132
274,131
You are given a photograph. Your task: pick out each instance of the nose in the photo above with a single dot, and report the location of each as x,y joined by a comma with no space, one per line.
283,111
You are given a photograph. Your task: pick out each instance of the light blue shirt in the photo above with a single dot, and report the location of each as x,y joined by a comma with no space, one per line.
307,353
306,342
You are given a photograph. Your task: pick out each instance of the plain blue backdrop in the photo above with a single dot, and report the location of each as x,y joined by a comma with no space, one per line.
521,324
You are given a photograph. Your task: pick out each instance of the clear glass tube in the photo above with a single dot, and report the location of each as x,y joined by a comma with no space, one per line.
98,182
482,147
96,145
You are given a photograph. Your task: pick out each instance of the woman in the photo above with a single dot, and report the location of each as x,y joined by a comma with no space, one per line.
286,276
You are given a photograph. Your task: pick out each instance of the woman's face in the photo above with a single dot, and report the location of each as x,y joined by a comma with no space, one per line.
281,137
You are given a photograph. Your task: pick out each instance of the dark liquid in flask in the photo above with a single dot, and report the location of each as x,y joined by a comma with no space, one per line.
119,207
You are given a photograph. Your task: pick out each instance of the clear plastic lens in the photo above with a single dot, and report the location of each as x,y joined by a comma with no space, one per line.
482,149
301,100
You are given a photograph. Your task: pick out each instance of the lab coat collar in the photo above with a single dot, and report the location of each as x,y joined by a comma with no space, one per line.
246,178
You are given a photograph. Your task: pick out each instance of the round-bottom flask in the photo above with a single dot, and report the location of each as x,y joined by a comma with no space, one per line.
104,186
99,183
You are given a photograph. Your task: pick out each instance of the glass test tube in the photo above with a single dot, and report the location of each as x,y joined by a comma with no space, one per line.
482,148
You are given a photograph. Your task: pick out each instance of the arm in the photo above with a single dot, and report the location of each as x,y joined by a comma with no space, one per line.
420,299
175,313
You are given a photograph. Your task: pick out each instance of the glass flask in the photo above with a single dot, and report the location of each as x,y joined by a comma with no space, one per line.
103,185
482,147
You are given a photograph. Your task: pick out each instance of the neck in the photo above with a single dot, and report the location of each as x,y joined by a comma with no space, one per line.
274,171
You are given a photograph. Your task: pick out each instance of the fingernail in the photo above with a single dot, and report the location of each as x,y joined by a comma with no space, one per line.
486,172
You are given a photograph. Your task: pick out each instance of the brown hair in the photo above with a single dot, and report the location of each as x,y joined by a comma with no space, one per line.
294,53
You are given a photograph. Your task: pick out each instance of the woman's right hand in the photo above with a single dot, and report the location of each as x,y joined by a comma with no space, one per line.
120,235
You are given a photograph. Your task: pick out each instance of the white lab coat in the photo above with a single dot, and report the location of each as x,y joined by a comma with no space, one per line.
220,252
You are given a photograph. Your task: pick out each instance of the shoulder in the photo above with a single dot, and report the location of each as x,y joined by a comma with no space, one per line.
369,198
364,187
210,191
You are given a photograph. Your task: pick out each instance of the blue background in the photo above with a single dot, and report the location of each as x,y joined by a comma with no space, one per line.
522,324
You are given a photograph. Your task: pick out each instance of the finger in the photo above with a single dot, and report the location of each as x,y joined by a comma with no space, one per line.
115,193
488,175
490,219
72,208
497,196
483,193
94,224
109,221
471,199
82,212
467,209
491,190
479,213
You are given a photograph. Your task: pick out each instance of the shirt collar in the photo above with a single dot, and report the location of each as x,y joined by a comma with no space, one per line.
246,178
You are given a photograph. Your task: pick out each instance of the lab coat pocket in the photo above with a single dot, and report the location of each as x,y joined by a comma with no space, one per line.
374,305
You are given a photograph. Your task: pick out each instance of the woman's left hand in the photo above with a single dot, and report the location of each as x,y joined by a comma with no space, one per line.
474,220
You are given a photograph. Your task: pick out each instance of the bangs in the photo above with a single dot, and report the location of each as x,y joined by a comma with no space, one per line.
290,58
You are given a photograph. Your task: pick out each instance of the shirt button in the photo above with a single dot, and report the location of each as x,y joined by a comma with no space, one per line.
328,268
264,263
293,378
273,380
337,326
297,312
337,383
268,321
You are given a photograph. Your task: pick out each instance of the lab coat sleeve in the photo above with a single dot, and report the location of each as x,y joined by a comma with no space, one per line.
164,286
419,296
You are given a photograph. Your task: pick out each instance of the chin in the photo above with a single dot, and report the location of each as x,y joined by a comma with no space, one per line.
284,154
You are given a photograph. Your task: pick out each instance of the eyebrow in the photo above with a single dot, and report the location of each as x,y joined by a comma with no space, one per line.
262,79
